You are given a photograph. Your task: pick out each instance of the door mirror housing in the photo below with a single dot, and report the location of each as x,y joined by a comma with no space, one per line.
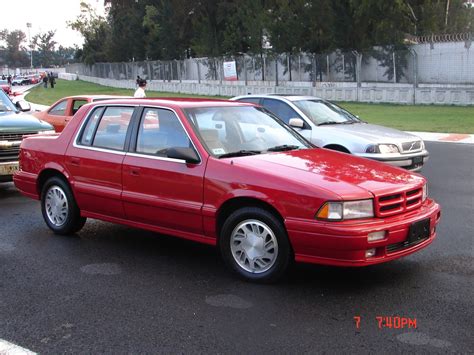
187,154
296,123
23,106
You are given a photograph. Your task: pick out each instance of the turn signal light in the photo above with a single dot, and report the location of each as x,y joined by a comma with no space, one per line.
375,236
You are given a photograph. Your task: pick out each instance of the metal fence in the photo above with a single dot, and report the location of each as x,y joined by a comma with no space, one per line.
441,63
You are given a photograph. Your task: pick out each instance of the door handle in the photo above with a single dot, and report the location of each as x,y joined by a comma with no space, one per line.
75,161
134,171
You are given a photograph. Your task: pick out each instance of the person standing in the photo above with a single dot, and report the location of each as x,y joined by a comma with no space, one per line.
51,80
140,92
45,81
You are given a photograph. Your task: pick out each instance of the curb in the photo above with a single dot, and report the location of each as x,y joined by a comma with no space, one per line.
445,137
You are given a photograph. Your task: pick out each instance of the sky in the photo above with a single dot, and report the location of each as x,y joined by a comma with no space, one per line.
45,15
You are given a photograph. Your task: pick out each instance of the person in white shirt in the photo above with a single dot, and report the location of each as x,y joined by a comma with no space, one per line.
140,92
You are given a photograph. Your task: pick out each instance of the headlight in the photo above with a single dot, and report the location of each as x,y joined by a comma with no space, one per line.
425,193
382,148
336,211
51,131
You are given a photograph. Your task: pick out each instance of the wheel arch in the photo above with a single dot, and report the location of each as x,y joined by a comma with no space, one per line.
337,147
45,175
233,204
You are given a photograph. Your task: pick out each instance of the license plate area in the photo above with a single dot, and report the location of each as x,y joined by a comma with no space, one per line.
8,169
418,231
417,160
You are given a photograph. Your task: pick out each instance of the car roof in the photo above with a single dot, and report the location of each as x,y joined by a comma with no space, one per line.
180,102
93,97
289,97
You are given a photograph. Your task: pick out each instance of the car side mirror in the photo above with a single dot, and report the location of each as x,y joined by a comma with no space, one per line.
187,154
23,106
296,123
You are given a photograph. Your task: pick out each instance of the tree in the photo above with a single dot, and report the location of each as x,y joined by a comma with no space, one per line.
126,30
167,28
16,54
96,33
44,45
65,55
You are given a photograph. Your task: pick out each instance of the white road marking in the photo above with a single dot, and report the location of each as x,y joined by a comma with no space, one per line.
7,348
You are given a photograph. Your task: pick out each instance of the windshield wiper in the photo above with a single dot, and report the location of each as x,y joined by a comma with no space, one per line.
239,153
328,123
282,148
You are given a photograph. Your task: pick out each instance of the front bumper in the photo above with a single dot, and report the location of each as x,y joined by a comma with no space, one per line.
413,161
345,243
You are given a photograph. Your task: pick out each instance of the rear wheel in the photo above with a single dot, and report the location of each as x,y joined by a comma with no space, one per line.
59,207
255,245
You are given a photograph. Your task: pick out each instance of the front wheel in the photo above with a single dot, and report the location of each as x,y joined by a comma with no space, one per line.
255,245
59,207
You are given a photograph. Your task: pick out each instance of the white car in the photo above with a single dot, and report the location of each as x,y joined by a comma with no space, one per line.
327,125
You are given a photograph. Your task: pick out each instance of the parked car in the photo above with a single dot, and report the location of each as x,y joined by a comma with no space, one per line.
330,126
20,80
14,126
34,79
5,87
228,174
61,112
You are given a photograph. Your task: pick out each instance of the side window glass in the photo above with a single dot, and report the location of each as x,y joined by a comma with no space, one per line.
251,100
159,130
91,125
59,109
112,129
282,110
76,105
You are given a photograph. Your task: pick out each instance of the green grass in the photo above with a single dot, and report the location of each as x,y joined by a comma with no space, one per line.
446,119
42,96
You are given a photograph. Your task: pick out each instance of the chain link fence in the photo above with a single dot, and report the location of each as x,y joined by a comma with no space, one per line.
442,63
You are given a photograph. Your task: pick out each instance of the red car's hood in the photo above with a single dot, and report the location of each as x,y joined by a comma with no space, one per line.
342,173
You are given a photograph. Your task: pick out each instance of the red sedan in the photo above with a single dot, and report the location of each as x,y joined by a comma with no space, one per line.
227,174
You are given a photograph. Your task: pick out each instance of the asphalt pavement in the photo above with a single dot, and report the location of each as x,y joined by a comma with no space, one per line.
114,289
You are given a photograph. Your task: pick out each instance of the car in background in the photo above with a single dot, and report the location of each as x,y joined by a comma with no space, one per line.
14,126
227,174
34,78
328,125
61,112
5,87
20,80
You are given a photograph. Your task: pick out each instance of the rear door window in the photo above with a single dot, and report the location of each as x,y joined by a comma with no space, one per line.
107,128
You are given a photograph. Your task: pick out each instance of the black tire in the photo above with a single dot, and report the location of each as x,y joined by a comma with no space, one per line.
73,222
282,257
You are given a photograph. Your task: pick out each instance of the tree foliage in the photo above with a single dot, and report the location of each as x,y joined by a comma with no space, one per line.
44,45
174,29
15,51
96,31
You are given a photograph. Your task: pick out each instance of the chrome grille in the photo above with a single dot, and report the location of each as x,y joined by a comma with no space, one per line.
14,136
389,205
409,147
10,152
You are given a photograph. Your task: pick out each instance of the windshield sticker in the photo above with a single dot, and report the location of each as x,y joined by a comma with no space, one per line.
218,151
